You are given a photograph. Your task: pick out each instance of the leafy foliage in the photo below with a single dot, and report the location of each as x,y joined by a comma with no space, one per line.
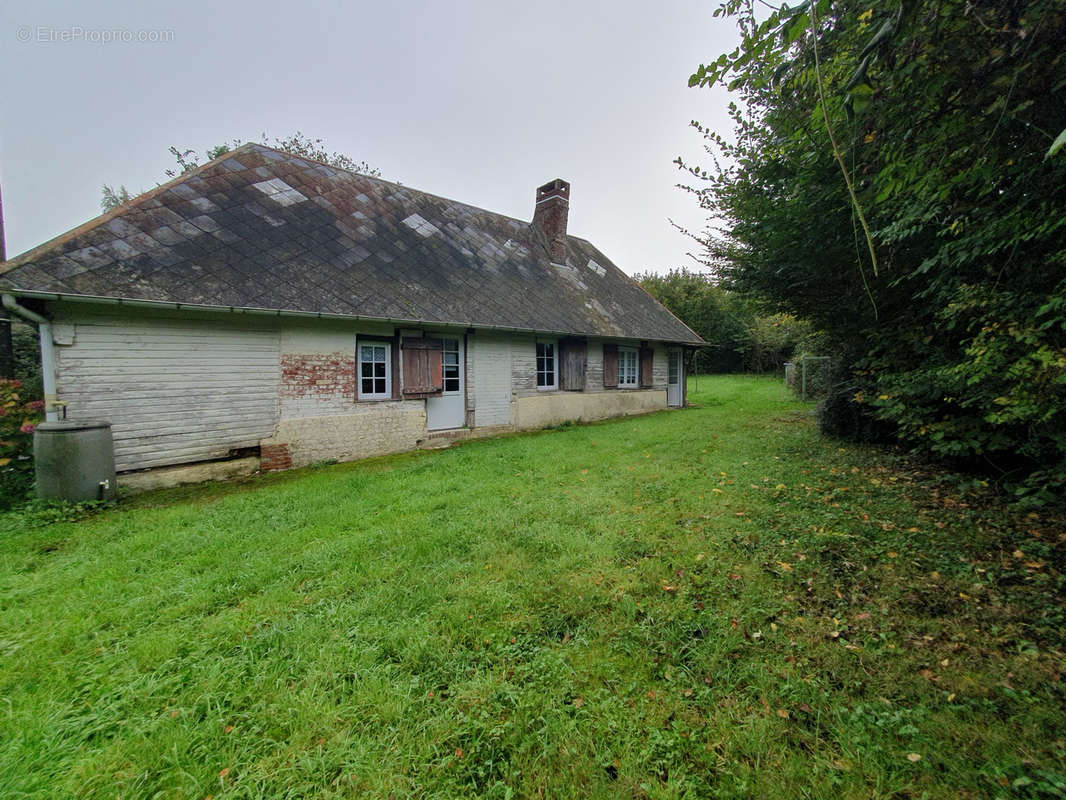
740,337
18,418
299,144
26,352
110,197
892,179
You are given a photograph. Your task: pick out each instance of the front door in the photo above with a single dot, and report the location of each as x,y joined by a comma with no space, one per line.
449,410
673,380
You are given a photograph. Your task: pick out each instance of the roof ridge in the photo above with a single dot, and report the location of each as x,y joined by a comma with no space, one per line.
379,179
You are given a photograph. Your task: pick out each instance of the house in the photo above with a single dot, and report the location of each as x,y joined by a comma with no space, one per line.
264,306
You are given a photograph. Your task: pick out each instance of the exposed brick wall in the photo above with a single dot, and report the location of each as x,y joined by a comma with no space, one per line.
273,457
318,376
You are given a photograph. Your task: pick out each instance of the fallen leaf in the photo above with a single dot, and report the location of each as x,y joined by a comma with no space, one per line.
806,709
223,772
228,729
458,752
669,588
914,757
785,566
783,713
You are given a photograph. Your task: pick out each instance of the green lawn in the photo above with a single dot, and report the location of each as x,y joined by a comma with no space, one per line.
709,602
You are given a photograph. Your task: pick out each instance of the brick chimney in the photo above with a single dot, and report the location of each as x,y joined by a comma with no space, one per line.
550,214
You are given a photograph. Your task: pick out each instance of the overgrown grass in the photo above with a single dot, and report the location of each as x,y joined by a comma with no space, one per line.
709,602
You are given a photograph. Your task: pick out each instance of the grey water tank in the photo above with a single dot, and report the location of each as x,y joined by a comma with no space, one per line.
74,460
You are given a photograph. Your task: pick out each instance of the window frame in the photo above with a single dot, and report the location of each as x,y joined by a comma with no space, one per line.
537,371
445,366
372,397
623,355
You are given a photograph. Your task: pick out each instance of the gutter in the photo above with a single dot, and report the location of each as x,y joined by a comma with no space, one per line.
48,355
121,301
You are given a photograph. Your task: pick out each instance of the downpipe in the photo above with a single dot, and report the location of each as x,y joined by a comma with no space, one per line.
48,355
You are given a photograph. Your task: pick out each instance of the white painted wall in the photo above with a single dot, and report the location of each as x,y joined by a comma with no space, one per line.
175,389
492,379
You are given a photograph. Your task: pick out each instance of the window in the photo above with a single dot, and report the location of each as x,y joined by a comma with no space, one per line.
546,365
375,371
627,367
450,358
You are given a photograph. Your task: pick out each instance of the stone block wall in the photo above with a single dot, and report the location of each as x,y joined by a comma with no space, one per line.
374,429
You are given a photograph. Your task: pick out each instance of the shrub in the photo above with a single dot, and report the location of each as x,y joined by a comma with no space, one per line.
18,419
843,414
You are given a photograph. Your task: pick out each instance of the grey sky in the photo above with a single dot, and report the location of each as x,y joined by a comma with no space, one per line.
476,100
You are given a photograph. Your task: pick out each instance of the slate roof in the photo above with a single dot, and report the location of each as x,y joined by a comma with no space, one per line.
263,229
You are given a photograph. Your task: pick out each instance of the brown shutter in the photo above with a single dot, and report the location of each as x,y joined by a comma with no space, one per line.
423,367
610,366
647,360
573,364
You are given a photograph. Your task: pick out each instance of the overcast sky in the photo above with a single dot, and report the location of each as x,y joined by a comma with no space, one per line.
477,100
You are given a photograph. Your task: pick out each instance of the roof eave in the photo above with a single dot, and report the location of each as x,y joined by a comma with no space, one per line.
288,313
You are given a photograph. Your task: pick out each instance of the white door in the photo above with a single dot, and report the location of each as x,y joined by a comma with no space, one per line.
673,379
449,410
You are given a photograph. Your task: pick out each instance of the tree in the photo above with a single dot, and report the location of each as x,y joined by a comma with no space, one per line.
298,144
894,179
740,337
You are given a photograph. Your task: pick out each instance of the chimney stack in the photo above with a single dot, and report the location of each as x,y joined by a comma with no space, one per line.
550,214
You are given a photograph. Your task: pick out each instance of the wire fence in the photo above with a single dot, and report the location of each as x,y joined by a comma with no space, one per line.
811,377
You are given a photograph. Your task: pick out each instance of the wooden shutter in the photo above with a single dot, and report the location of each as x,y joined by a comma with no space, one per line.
423,367
647,361
610,366
573,364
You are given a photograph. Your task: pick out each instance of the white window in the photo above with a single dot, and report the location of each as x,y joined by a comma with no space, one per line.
450,366
547,365
374,370
627,367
